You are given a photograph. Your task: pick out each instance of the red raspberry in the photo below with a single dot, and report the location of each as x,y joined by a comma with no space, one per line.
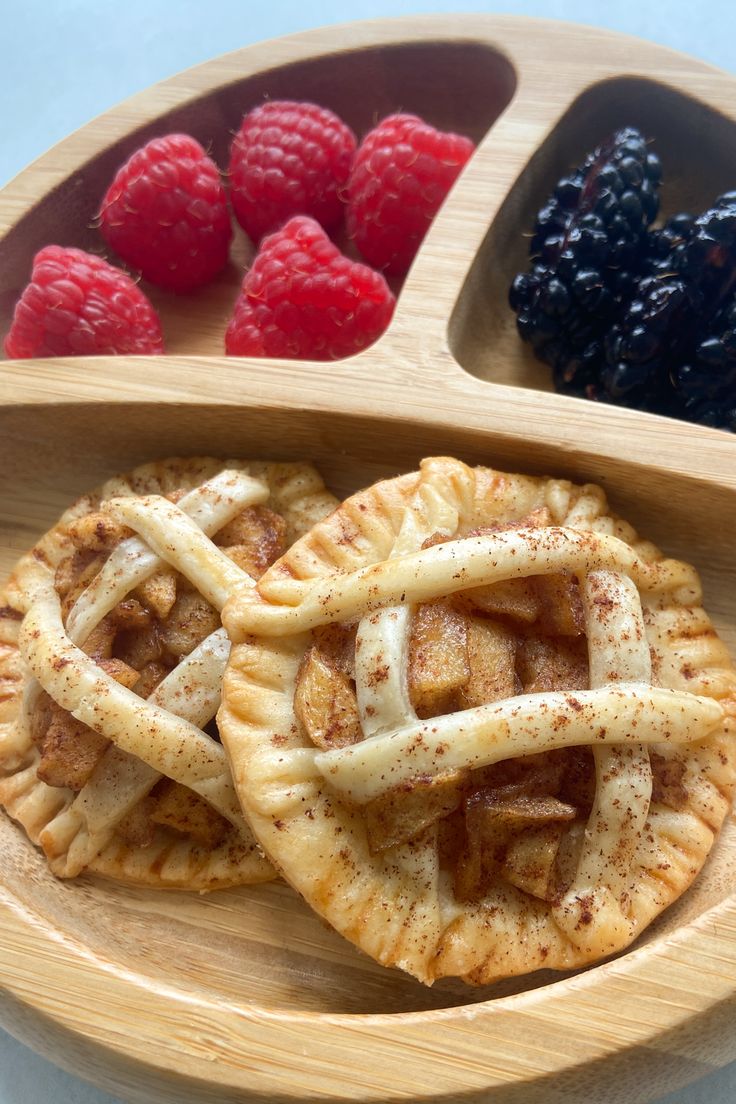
166,214
402,172
303,298
79,305
289,159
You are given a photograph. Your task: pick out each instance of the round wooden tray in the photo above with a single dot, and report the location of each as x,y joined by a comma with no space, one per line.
244,995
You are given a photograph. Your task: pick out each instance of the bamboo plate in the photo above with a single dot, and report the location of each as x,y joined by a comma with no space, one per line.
243,995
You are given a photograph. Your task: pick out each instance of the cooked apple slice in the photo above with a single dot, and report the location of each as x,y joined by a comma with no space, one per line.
438,658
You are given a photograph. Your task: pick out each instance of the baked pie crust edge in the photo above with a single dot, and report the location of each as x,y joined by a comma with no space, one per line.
297,492
397,906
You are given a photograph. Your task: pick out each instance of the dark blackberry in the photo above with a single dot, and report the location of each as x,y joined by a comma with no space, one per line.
639,348
660,306
673,351
587,249
708,258
705,382
665,245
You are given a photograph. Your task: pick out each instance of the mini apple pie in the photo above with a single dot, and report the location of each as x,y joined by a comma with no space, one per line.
111,661
478,724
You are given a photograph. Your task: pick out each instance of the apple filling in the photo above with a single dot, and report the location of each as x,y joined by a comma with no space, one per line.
521,820
138,643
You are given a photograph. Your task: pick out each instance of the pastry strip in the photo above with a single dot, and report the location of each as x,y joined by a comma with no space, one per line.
179,541
521,725
382,639
171,745
597,900
120,779
210,506
446,569
381,661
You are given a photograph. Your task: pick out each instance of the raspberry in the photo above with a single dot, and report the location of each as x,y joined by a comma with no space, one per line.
303,298
79,305
289,159
166,214
402,172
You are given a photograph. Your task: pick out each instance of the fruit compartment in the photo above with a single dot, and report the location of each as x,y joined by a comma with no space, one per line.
460,86
697,149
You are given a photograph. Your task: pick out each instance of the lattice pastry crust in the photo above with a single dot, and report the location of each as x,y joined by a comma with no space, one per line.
157,528
656,713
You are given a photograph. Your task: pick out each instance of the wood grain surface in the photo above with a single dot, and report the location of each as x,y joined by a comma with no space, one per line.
243,995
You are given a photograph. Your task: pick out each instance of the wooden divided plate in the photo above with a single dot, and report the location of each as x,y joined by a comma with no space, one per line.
243,995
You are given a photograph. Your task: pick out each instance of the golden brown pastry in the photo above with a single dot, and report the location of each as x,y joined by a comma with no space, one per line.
112,655
478,724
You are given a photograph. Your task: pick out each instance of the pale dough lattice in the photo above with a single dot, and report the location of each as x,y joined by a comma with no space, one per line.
399,907
163,734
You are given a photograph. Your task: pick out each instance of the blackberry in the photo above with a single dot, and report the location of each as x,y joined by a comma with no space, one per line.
708,258
587,250
673,351
705,382
665,245
639,348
